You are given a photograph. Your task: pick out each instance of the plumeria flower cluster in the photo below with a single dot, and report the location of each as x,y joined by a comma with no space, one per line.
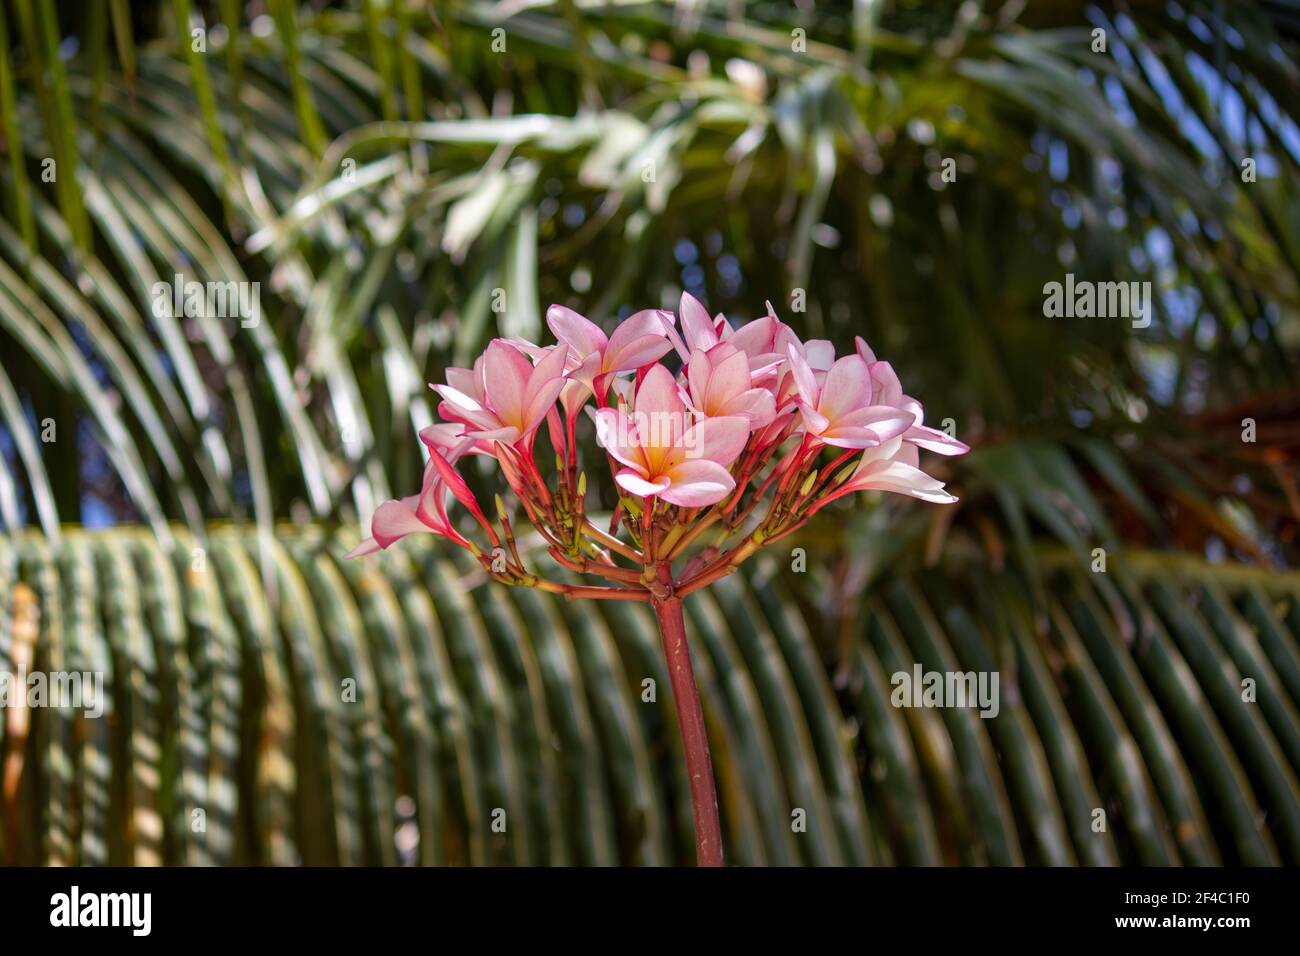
752,435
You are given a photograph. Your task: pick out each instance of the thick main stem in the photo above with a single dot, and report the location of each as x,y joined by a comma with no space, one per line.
695,740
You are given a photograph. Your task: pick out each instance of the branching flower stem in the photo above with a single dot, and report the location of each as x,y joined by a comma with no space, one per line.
611,542
574,591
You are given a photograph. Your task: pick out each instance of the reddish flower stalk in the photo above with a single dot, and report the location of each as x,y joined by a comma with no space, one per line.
690,718
694,456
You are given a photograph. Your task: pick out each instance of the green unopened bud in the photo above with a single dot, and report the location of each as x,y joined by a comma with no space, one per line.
582,484
501,509
559,463
808,484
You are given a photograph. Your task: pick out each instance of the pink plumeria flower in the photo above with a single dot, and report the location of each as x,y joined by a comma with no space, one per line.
426,513
449,440
504,397
764,340
699,332
890,466
838,409
574,394
663,454
718,383
819,355
394,520
638,341
888,390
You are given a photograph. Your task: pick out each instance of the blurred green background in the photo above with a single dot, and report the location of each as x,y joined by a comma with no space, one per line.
406,180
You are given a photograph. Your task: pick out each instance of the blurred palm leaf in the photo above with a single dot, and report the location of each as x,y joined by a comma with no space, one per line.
394,711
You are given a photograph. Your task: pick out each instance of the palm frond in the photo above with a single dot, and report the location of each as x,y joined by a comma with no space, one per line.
410,712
